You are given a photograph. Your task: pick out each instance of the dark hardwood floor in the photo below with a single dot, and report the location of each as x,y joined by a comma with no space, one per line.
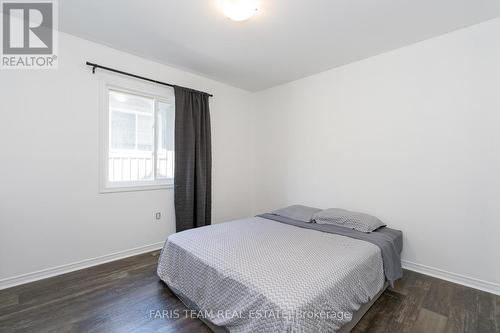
119,297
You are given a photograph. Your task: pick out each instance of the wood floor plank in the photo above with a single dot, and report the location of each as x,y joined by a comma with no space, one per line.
439,296
407,314
430,322
8,299
486,322
465,298
380,317
119,297
96,293
497,313
461,321
369,320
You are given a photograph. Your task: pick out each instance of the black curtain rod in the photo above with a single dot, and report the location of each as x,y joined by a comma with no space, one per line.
94,66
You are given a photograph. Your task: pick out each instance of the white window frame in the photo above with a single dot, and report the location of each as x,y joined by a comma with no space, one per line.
127,186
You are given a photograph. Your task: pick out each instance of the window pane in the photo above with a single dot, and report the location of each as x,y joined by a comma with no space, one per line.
131,137
145,132
122,130
165,139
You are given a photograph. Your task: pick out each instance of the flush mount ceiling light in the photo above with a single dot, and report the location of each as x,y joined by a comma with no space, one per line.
239,10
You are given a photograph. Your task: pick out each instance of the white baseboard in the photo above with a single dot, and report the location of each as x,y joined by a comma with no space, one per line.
50,272
490,287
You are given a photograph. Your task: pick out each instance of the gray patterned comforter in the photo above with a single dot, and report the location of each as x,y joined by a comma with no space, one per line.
259,275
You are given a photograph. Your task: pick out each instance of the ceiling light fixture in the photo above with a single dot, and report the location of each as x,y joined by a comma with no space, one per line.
239,10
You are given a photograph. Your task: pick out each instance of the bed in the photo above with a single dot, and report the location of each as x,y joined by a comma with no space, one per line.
273,274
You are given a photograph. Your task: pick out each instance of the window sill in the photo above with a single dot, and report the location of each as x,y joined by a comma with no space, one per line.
116,189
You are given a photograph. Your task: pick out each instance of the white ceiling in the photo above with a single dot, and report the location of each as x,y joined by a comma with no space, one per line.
286,40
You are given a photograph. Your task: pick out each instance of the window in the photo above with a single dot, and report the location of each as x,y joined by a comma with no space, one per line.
138,141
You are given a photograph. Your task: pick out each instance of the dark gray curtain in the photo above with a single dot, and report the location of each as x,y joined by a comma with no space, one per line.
193,160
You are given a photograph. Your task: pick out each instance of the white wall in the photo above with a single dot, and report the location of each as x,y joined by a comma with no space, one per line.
51,213
411,136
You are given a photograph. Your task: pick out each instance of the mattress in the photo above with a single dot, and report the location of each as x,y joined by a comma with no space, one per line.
259,275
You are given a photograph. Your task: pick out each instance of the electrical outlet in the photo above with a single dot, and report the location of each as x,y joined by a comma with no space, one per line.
158,216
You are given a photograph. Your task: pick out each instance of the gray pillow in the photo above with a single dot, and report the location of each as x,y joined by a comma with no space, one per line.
354,220
297,212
